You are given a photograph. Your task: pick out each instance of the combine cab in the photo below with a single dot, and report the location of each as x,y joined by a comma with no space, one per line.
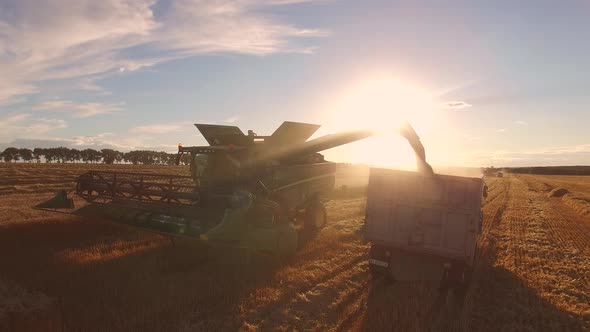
248,191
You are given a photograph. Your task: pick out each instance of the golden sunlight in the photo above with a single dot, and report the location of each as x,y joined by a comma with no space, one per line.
382,104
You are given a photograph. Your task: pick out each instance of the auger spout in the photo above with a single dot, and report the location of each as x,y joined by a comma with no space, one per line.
334,140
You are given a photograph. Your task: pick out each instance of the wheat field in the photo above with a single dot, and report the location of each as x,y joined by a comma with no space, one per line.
60,272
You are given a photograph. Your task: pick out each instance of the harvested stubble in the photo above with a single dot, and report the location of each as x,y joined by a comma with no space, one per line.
532,273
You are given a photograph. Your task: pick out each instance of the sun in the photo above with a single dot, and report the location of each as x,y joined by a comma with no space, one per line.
382,104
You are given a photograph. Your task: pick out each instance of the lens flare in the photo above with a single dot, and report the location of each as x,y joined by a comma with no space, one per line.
382,104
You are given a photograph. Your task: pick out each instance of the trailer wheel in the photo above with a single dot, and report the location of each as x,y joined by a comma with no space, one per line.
462,287
315,215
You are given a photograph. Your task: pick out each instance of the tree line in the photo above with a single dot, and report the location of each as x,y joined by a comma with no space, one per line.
551,170
105,156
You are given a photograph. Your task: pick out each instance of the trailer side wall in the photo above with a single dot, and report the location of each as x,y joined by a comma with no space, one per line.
436,215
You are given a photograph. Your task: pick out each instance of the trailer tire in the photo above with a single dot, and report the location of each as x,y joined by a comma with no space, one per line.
316,216
462,287
382,275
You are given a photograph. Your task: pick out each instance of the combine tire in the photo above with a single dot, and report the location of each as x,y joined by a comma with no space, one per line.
287,241
315,216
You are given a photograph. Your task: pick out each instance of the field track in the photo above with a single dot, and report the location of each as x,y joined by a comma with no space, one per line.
76,274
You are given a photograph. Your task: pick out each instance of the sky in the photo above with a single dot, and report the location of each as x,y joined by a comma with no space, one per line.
500,83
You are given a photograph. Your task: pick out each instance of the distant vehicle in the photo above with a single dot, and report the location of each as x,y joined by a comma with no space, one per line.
490,171
500,174
423,226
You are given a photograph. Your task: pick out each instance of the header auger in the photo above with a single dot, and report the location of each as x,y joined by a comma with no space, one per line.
244,190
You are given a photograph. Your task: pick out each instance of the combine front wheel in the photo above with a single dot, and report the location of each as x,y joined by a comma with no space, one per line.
315,215
287,241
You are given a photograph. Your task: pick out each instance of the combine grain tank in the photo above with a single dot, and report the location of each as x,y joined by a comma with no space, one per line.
423,226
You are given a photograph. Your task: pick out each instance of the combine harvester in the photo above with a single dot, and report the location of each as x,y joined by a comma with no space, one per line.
260,192
245,191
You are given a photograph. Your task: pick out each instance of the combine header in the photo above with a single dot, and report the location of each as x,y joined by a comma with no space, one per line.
244,190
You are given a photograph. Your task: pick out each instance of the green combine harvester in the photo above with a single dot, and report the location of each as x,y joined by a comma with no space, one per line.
245,191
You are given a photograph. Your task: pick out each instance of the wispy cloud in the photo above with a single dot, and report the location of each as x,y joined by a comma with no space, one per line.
157,128
13,119
83,39
84,142
456,87
232,119
546,156
41,126
33,133
23,124
80,110
455,105
29,131
520,123
501,130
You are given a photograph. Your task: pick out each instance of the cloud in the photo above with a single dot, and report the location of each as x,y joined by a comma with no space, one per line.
83,142
95,142
12,91
520,123
33,138
45,41
13,119
501,130
455,105
17,124
547,156
25,130
225,26
232,119
158,128
79,110
42,126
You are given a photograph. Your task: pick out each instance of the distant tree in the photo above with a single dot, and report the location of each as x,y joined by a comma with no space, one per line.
26,154
125,157
132,157
97,156
147,157
10,154
108,156
49,155
74,155
37,153
85,155
162,158
118,157
170,158
185,159
90,155
62,154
